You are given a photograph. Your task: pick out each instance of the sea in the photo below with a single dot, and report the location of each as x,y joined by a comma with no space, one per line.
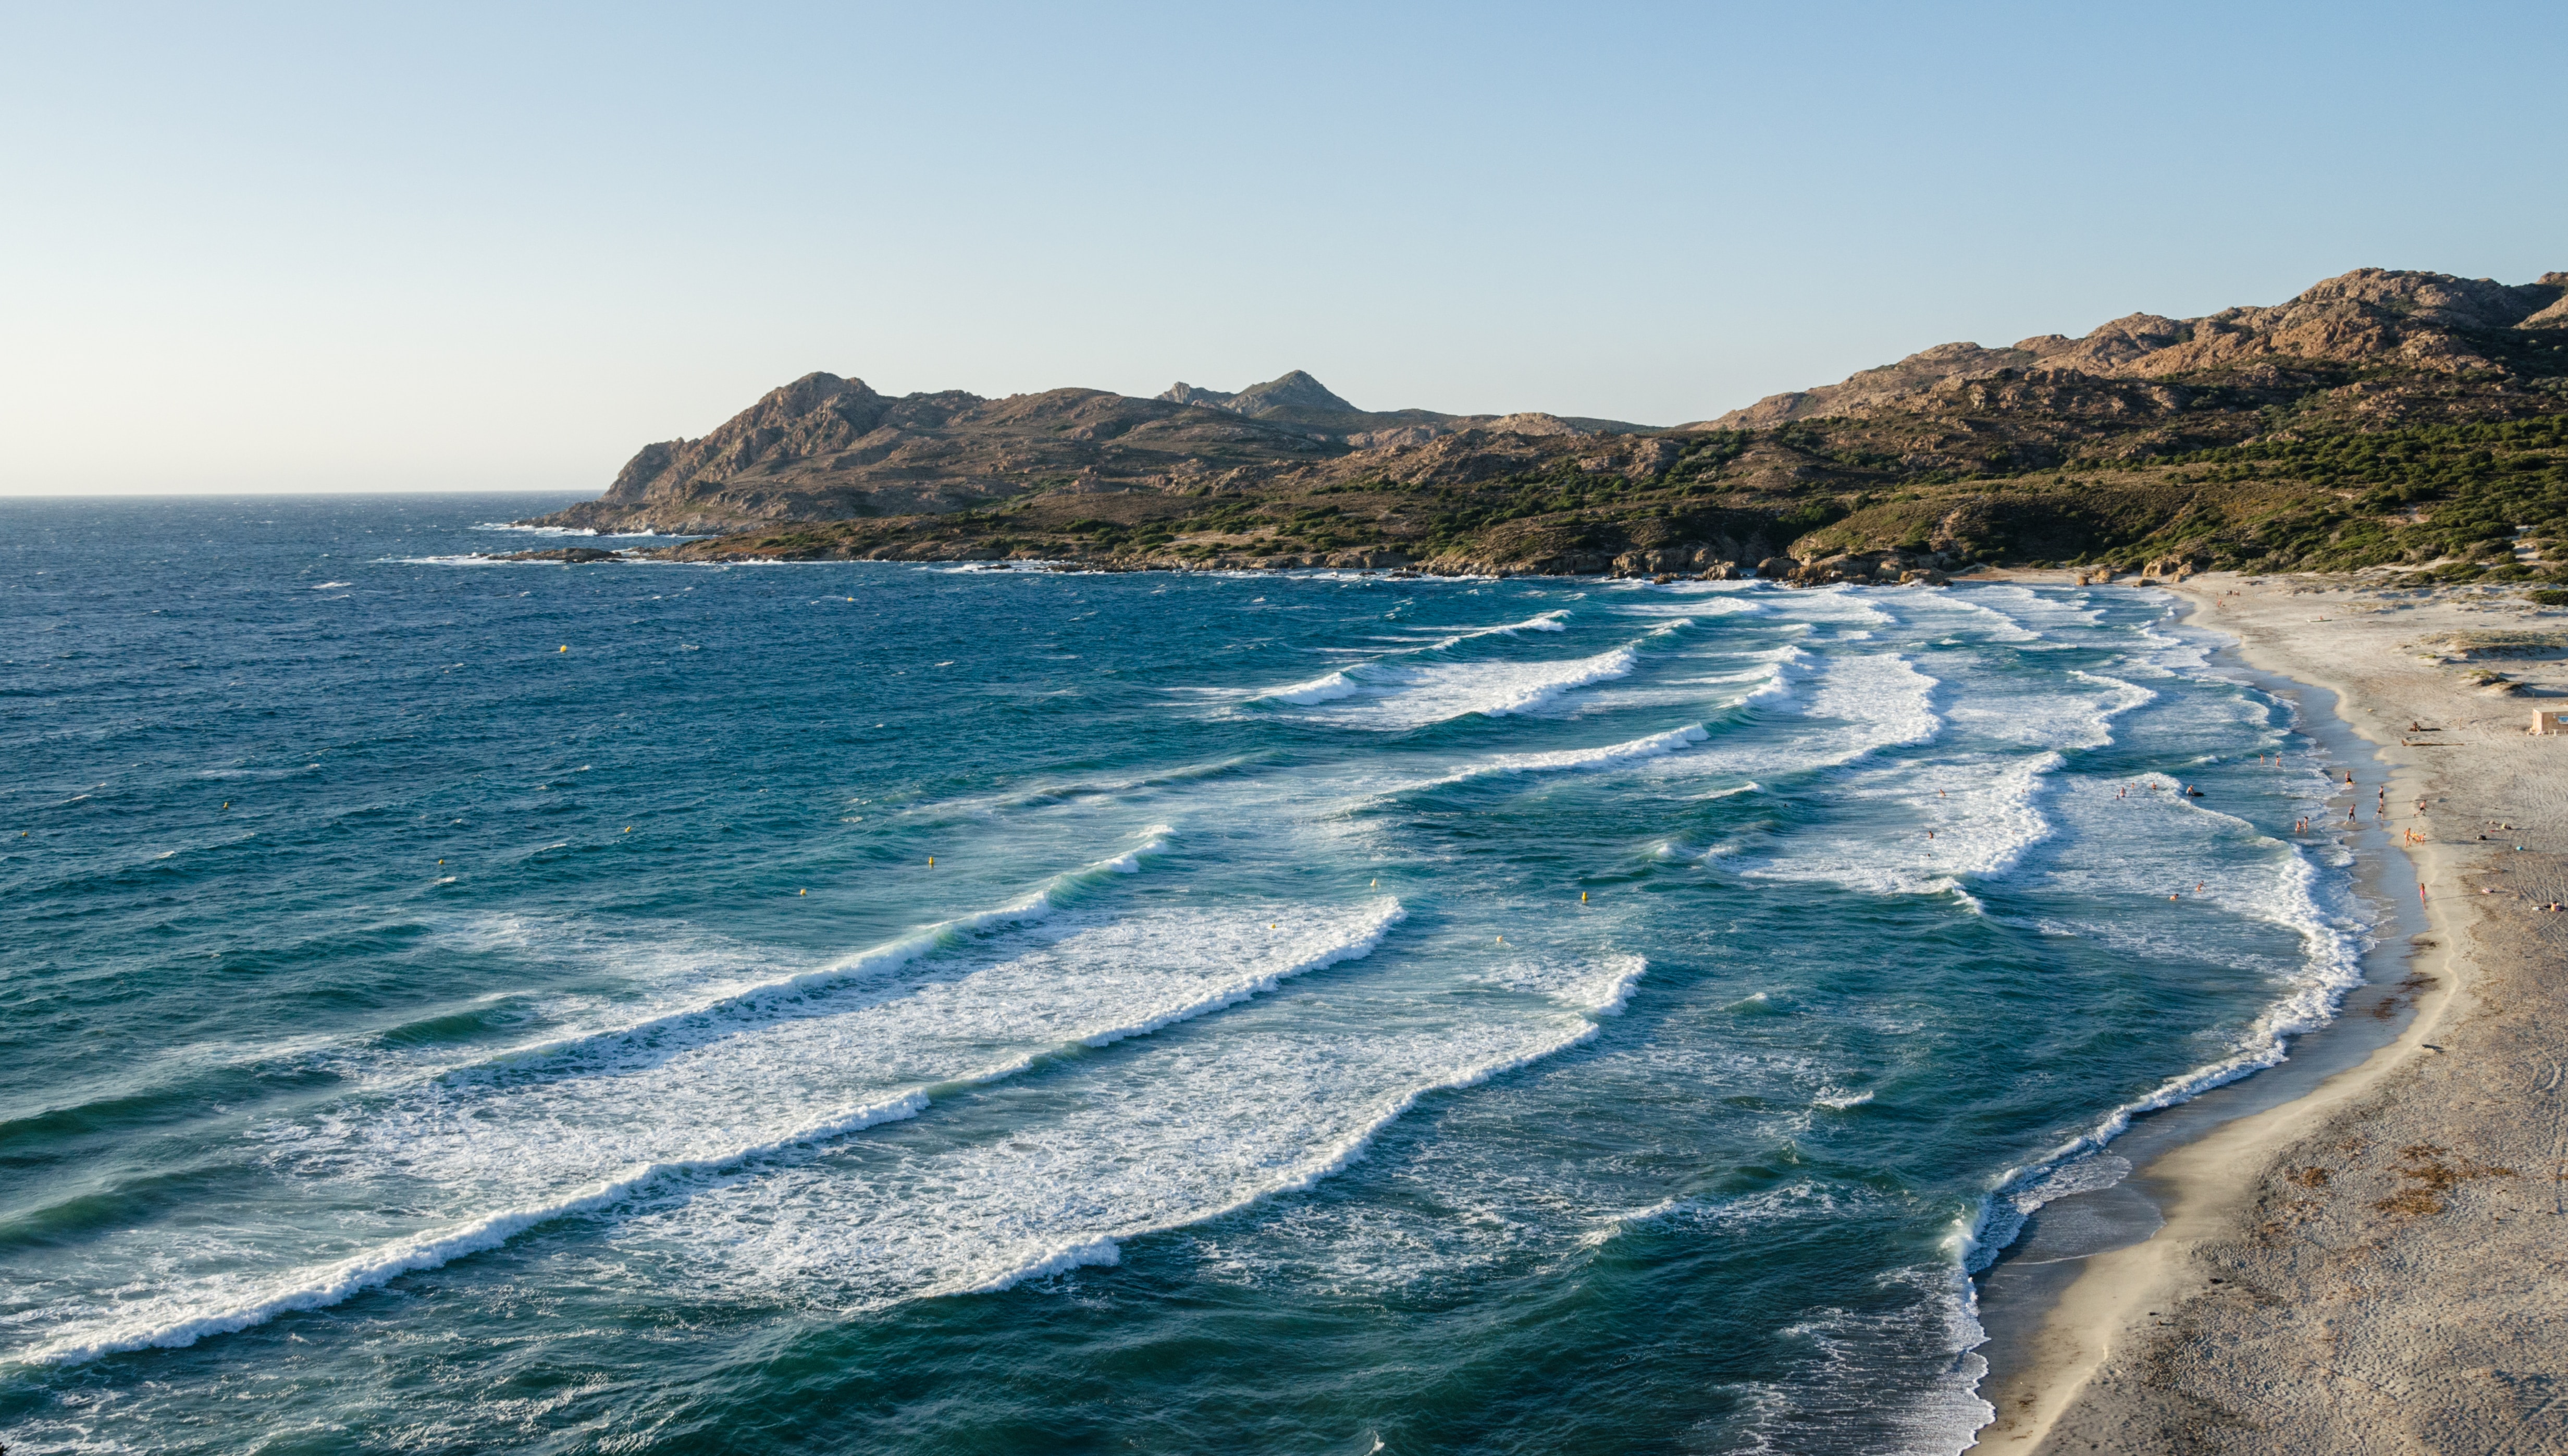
453,1006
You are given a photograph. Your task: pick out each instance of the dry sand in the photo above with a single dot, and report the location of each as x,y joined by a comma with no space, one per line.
2379,1265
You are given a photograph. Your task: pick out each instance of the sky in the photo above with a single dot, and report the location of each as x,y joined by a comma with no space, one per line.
328,247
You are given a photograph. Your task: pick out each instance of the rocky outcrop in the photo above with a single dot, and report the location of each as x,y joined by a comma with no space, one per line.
2368,316
1684,559
1293,391
1870,568
2555,314
568,555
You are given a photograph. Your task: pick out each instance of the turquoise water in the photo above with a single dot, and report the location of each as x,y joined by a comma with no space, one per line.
1342,1013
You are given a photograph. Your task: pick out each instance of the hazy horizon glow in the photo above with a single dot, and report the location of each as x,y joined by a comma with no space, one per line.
304,249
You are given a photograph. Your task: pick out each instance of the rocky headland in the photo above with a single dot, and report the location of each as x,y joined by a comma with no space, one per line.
2413,423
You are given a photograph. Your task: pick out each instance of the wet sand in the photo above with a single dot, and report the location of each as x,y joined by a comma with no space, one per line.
2379,1262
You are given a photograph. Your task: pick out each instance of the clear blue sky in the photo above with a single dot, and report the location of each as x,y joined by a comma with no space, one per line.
451,246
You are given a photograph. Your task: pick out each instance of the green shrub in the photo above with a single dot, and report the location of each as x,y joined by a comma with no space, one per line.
1810,516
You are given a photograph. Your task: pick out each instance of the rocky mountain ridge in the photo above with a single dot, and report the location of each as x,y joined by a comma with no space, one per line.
827,447
2145,436
2369,317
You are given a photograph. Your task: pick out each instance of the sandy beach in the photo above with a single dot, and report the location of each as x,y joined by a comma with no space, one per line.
2375,1265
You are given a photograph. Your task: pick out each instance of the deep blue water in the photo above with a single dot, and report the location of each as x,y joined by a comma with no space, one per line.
452,1006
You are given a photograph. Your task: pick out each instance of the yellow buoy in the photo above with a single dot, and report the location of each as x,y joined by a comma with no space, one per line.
628,829
931,861
802,892
565,646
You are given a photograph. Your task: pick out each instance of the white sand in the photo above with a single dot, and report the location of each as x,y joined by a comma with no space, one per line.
2380,1266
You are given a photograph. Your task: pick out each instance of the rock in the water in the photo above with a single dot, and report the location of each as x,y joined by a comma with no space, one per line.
571,556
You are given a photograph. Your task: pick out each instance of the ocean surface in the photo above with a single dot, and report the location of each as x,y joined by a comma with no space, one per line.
452,1006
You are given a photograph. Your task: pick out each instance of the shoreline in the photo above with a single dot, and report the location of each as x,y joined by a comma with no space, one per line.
2226,1329
2020,1290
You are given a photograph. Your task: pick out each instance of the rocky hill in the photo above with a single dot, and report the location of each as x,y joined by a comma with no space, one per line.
830,449
2400,420
2370,318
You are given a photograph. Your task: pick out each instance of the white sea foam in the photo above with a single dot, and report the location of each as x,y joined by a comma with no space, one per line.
1043,792
1326,690
470,559
1821,711
1983,812
1189,1134
2172,650
1398,696
1840,605
875,959
1555,620
229,1301
1883,692
1604,993
2333,940
559,1140
1926,827
564,530
1695,606
1768,684
1612,755
1421,639
1959,610
1838,1361
1143,1113
2039,607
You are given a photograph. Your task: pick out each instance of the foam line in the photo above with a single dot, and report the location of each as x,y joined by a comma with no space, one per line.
1612,755
1604,999
1336,685
1993,816
374,1268
1339,684
1413,695
1363,944
1062,791
339,1280
561,530
889,955
1555,620
2332,966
